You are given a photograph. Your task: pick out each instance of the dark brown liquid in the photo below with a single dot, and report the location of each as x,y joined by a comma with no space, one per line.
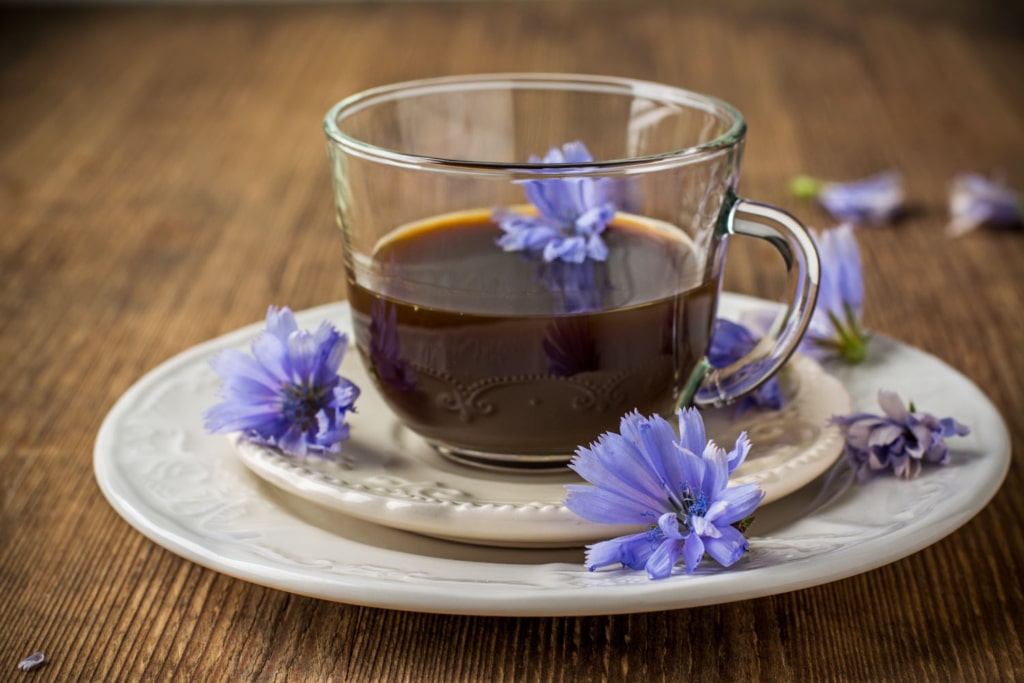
489,351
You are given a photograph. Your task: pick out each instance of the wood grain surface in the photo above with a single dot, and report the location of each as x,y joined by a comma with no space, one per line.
163,179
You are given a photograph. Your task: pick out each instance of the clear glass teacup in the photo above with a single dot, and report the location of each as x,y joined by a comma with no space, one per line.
531,256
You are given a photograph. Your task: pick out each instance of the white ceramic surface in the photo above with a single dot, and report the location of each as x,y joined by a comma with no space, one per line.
188,491
390,476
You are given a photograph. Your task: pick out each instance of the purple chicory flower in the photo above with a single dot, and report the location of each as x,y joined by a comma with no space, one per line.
676,487
975,200
878,199
288,394
836,328
731,341
571,213
900,439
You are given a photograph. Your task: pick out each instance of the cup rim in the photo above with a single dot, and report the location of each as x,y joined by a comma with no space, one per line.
547,81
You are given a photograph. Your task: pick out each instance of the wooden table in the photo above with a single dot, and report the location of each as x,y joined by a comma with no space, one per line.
162,179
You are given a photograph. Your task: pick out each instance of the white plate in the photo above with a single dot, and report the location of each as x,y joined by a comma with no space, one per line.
188,491
392,477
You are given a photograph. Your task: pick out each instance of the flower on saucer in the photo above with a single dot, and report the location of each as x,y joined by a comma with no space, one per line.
731,341
288,394
571,213
900,439
975,200
676,487
878,199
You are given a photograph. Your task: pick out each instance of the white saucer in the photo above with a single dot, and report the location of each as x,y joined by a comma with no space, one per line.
390,476
188,491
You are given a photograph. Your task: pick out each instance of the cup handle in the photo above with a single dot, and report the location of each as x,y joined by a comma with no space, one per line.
710,387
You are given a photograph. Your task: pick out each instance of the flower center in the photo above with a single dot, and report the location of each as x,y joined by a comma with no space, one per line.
302,403
691,505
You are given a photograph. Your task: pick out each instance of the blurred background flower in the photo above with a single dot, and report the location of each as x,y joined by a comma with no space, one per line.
974,200
874,200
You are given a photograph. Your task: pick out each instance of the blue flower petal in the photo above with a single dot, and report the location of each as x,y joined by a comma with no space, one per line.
632,550
692,436
716,471
596,248
271,353
951,427
735,504
569,249
574,153
607,507
617,465
659,564
727,547
543,195
668,523
693,552
739,452
592,221
893,407
234,363
693,468
652,439
885,434
229,417
281,323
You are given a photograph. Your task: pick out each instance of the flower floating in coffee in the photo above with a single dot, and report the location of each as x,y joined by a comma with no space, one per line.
901,439
878,199
676,487
571,213
288,394
975,200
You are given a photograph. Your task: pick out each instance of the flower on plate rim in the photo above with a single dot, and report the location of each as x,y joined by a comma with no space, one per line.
676,487
900,439
288,393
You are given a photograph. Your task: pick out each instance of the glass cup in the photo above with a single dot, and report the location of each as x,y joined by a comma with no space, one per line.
531,256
